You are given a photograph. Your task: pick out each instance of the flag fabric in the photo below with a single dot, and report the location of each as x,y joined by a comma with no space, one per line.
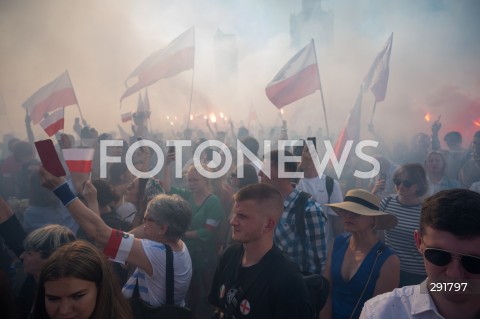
297,79
123,134
377,77
351,130
126,117
178,56
79,160
53,122
54,95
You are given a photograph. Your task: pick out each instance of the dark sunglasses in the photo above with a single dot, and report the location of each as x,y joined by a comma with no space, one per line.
406,183
440,257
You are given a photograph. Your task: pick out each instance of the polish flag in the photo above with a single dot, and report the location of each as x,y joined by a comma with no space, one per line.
297,79
79,160
54,122
178,56
126,117
54,95
377,77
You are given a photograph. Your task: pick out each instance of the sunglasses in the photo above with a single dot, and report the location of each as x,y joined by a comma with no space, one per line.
406,183
440,257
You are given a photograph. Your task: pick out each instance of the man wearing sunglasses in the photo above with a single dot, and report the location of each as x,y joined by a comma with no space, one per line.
449,240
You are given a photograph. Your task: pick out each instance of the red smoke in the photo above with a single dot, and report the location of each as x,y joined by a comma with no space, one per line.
459,112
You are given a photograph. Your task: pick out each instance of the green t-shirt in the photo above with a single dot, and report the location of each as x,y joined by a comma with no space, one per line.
208,213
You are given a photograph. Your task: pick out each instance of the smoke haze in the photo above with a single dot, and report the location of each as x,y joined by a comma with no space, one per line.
434,65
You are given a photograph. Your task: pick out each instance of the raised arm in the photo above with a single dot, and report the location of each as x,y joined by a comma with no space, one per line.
112,240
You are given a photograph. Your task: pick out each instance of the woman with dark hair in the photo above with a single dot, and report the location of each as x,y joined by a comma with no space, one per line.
411,185
77,282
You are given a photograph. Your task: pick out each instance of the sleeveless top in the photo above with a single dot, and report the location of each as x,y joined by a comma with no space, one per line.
345,294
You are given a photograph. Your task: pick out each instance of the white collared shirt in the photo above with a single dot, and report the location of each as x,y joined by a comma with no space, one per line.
402,303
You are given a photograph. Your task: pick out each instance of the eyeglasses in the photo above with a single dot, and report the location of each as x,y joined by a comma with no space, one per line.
406,183
440,257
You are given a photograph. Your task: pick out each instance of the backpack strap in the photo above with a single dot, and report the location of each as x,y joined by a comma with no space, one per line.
299,211
169,275
329,186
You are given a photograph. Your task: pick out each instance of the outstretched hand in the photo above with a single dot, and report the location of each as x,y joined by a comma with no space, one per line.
49,180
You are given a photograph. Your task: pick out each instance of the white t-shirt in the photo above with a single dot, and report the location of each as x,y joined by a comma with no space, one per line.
126,211
153,289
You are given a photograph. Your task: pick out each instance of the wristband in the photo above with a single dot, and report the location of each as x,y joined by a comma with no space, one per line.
65,194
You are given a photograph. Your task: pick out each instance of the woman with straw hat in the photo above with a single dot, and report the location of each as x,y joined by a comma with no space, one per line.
359,265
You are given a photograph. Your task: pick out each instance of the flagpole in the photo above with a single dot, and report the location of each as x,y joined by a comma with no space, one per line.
373,112
78,105
191,87
321,91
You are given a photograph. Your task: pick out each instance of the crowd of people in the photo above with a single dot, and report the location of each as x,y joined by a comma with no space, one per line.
80,245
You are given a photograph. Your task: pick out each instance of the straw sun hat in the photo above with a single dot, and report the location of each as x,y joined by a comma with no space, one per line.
364,203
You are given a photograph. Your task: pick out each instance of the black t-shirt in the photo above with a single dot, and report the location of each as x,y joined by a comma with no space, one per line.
273,288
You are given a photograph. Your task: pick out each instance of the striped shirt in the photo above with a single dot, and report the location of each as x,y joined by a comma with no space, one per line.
400,238
290,243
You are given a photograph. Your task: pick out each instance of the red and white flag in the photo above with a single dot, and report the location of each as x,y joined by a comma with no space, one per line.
54,122
351,130
79,160
377,77
178,56
54,95
126,117
297,79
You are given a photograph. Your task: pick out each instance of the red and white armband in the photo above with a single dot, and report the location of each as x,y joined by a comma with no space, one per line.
119,246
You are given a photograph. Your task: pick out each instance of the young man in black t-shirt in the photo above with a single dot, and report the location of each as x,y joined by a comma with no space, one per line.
254,279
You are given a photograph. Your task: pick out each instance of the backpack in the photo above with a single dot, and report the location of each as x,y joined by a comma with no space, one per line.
317,285
329,186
